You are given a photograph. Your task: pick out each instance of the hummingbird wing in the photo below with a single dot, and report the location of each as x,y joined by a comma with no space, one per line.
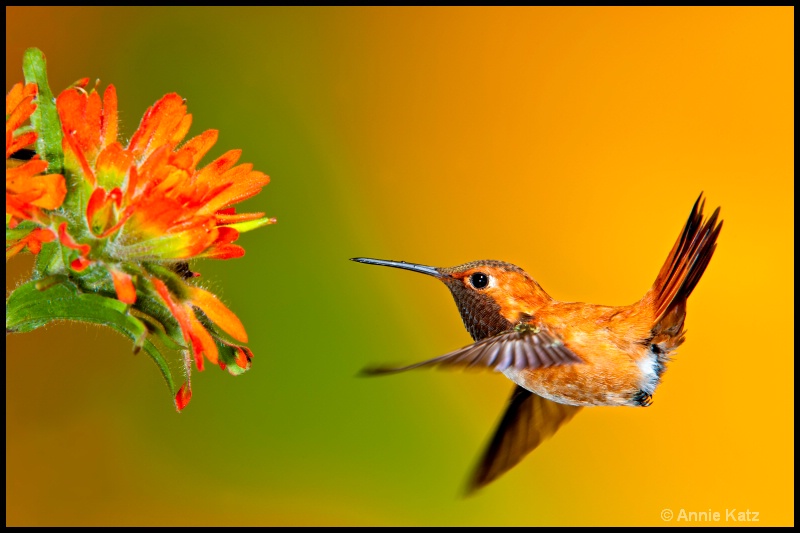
525,346
529,419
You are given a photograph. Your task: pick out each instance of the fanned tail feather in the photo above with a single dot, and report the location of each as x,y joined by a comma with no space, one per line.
686,262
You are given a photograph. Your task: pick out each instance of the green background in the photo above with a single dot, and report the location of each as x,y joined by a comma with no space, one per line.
571,142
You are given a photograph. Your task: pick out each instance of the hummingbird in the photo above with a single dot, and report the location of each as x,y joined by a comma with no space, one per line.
563,356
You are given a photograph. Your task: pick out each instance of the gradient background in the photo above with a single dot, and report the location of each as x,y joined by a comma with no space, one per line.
571,142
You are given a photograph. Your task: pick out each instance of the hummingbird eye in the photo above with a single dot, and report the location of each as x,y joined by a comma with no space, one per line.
479,280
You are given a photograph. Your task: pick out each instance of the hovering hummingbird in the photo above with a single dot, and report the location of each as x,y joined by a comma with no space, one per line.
563,356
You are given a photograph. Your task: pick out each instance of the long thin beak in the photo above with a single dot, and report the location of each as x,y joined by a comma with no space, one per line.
431,271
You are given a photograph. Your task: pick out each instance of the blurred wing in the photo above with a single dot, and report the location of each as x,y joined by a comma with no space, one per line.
529,419
525,346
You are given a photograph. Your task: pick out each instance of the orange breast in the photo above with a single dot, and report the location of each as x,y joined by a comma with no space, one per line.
608,339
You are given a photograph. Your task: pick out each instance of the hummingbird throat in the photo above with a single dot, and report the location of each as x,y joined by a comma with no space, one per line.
480,313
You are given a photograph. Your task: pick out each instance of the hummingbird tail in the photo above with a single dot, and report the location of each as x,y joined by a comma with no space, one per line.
685,264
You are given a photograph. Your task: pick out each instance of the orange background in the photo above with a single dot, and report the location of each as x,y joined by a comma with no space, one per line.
569,141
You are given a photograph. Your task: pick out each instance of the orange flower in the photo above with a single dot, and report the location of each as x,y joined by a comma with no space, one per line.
148,202
149,198
27,191
194,332
33,241
19,108
123,221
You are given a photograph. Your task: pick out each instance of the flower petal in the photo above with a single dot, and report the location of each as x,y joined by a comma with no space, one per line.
75,158
43,191
166,123
199,146
209,347
19,142
17,94
249,225
178,311
112,166
33,241
79,264
218,313
19,107
109,126
183,397
123,284
69,242
102,211
245,355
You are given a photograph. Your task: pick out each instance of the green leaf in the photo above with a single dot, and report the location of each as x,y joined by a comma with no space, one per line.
45,119
157,328
28,308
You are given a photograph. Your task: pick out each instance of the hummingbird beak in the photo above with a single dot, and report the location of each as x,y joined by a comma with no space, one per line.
431,271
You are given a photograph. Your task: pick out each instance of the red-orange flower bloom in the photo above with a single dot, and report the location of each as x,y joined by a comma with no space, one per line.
149,198
148,202
116,232
27,191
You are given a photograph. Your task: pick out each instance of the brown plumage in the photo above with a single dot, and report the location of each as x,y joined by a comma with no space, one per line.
563,356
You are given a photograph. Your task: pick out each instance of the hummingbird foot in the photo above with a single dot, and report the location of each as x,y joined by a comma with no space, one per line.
642,399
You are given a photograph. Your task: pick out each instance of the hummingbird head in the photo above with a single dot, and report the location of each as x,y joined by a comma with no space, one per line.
492,296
